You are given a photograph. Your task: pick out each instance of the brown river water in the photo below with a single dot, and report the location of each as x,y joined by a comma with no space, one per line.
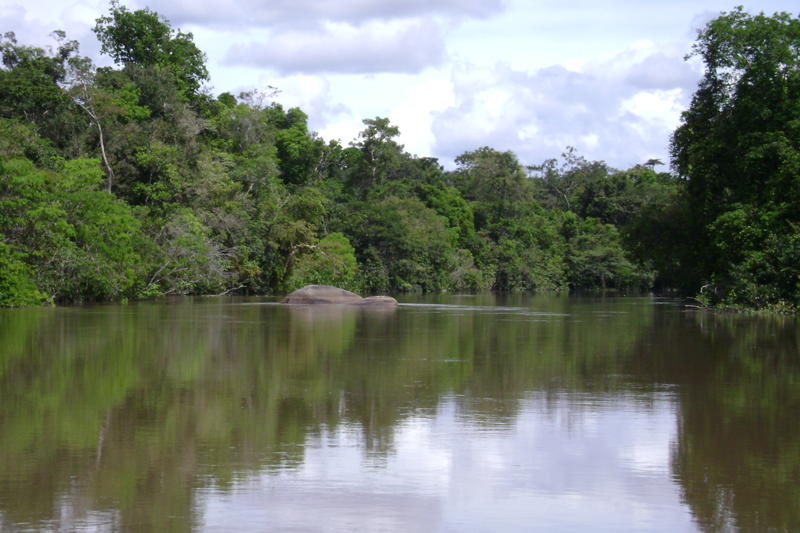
484,413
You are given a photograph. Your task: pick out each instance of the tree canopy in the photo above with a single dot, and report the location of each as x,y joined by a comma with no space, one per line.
130,181
738,147
142,38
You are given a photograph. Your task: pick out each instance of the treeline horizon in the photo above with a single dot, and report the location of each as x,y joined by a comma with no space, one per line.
131,182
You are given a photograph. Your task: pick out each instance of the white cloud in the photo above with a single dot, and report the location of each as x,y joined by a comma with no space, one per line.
343,129
662,71
620,109
399,46
656,107
414,114
312,94
305,13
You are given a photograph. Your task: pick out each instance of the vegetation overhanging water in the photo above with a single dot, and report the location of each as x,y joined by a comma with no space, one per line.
132,181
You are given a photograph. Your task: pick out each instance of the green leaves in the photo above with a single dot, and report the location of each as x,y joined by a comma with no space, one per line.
739,147
404,239
332,261
595,258
81,242
214,195
144,38
17,288
30,90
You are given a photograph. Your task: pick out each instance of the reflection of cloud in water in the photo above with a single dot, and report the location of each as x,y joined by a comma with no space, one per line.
562,463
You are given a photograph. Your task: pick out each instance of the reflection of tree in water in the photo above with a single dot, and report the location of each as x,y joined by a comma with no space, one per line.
129,411
737,455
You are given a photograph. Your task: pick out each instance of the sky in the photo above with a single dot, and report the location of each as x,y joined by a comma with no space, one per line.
608,78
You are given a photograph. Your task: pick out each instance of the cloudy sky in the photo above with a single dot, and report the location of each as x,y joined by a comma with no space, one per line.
532,76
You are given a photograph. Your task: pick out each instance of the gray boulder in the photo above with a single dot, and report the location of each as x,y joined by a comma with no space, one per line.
322,294
325,294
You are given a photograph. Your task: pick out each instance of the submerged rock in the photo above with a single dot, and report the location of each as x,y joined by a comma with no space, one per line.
377,300
322,294
326,294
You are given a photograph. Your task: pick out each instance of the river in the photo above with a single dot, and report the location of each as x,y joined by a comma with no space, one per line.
449,413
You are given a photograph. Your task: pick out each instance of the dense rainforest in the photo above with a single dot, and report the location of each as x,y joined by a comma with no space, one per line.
133,181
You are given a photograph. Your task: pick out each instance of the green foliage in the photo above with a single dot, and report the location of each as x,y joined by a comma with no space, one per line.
467,277
495,183
332,261
83,243
762,258
404,239
296,149
562,185
30,90
596,259
660,237
449,203
234,193
142,38
18,140
739,148
378,157
592,189
123,99
17,288
187,260
518,240
521,267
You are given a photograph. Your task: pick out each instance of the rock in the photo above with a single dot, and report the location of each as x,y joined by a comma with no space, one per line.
322,294
325,294
383,301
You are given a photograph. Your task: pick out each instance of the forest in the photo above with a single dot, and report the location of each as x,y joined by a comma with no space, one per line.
133,181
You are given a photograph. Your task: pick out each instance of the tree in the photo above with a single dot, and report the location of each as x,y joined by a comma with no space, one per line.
738,145
297,151
653,163
402,243
332,261
560,185
739,139
30,87
596,259
82,89
17,288
143,38
82,242
380,153
496,183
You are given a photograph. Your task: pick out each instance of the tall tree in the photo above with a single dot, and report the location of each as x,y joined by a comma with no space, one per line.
495,182
30,87
81,87
380,153
739,148
145,39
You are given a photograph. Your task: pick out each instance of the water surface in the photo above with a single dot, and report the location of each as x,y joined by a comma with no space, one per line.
450,413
